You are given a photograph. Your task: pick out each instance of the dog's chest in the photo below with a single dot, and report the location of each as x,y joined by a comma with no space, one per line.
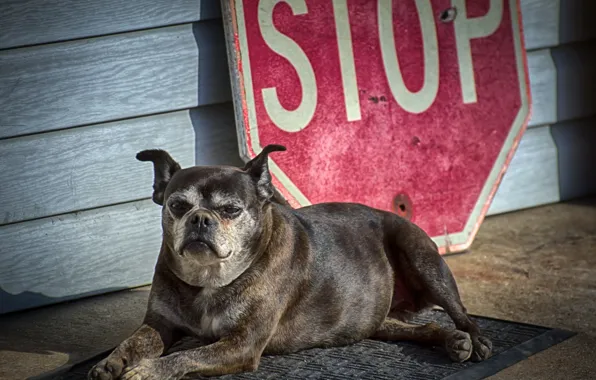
212,324
199,316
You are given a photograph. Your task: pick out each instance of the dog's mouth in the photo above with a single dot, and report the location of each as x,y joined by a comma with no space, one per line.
202,245
198,245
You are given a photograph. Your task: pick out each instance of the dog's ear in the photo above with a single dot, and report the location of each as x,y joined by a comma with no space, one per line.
258,168
164,167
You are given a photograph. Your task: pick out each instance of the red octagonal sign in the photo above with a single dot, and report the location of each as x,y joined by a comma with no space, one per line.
411,106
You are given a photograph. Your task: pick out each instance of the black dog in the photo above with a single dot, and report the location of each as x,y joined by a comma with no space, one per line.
240,268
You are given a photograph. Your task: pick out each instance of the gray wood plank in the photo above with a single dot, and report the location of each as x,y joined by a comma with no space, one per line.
82,168
30,22
540,19
543,87
215,131
532,176
553,163
563,83
214,78
576,21
549,23
576,153
575,80
74,83
81,253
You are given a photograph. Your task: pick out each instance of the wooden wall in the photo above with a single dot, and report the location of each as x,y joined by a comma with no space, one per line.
556,156
88,83
84,85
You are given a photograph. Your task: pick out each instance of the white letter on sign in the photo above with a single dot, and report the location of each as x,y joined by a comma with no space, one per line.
465,30
414,102
346,59
298,119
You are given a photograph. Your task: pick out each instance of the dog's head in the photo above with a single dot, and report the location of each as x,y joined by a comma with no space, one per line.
212,216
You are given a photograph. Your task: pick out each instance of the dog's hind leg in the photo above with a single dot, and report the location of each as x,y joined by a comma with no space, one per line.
443,292
439,288
416,260
457,343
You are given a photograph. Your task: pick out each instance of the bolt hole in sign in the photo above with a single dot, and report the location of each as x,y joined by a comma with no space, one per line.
410,106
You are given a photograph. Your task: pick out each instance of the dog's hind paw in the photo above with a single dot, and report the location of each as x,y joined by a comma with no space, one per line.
482,348
459,346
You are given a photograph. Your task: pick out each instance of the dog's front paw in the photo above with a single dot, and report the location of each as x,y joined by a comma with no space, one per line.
482,348
108,369
459,346
148,369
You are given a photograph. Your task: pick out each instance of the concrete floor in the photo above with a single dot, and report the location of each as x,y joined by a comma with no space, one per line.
536,266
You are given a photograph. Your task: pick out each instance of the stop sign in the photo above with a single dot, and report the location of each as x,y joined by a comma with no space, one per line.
410,106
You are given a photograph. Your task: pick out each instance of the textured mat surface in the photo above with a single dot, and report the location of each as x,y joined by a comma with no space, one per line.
370,359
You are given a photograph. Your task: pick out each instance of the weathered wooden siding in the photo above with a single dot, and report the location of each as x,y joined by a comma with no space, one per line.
92,82
78,169
80,82
562,82
51,21
84,86
556,156
114,231
555,22
553,163
57,257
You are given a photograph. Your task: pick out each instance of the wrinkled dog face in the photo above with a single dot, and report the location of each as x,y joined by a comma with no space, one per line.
212,217
211,214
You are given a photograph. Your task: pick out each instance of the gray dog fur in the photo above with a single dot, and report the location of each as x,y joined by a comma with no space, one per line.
248,274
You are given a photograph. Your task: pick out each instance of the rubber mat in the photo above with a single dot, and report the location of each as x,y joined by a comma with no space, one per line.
369,359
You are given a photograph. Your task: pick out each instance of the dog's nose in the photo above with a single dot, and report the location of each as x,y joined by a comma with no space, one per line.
201,219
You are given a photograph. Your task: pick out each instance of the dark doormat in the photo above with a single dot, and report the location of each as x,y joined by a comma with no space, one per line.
513,342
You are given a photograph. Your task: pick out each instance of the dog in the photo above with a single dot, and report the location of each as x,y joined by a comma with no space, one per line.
249,275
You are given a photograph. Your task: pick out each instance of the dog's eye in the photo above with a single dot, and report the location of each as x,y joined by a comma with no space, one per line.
177,206
231,210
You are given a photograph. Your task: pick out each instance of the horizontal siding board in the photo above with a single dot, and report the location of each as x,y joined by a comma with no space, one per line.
26,300
576,80
82,168
30,22
81,82
576,20
549,23
75,254
563,83
214,79
543,87
215,131
532,176
576,153
553,163
540,20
